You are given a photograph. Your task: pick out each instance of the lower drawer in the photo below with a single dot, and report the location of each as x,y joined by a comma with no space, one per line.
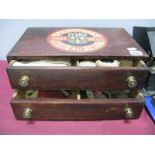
55,107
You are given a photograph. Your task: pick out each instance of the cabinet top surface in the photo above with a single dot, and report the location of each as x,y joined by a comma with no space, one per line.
76,42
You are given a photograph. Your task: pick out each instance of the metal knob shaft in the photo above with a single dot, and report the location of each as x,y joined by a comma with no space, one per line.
24,81
131,82
129,113
27,113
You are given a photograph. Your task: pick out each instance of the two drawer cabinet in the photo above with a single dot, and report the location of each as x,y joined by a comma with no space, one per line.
77,74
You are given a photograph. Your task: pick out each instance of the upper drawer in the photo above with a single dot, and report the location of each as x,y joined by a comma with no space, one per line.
78,77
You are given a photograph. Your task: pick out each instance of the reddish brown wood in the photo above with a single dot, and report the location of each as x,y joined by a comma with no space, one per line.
77,77
71,109
33,45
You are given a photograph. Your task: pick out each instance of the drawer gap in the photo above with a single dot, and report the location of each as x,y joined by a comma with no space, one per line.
77,94
64,62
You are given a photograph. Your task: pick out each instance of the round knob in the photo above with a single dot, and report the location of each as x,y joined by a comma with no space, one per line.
27,113
24,81
129,113
131,82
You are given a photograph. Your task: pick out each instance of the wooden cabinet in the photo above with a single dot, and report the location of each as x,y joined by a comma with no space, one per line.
48,59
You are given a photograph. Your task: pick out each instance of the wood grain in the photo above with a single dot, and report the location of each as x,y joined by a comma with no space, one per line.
71,109
33,45
104,78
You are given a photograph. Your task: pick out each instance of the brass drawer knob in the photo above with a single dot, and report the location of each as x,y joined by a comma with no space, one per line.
131,82
129,113
24,81
27,113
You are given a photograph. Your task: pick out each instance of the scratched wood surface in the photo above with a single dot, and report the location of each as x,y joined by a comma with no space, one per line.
46,78
34,45
72,109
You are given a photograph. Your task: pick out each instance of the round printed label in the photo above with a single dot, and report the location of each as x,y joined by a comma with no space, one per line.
77,40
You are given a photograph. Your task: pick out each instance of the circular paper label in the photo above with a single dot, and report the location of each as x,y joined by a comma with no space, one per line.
77,40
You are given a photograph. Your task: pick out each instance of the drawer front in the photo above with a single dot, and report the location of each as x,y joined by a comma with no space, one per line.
77,77
71,109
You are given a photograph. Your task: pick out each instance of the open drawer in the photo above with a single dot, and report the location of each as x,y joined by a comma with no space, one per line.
52,105
129,75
